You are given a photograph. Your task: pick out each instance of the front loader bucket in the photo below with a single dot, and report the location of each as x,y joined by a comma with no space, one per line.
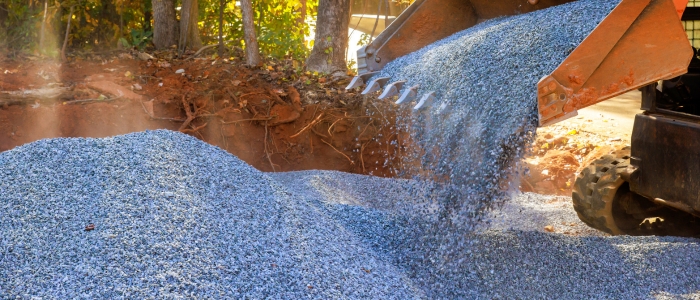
639,42
427,21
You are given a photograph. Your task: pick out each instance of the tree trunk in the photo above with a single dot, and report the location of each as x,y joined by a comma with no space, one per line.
43,28
331,40
65,39
302,19
164,24
189,32
147,15
252,51
3,16
222,6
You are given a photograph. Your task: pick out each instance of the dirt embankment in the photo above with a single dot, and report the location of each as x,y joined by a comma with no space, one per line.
275,118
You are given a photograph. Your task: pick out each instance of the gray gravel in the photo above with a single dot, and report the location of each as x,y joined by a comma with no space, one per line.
487,75
177,218
535,212
174,217
518,262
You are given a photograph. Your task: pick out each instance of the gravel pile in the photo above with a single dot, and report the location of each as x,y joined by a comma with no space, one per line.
535,212
518,262
177,218
160,215
487,76
172,217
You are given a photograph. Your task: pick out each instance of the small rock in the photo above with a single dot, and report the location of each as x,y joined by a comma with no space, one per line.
145,56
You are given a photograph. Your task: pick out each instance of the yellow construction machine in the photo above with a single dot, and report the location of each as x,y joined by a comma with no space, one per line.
653,187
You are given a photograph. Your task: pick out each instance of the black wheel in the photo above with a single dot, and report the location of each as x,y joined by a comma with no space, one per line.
597,192
602,199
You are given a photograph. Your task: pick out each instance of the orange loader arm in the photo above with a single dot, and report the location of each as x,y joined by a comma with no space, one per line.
640,42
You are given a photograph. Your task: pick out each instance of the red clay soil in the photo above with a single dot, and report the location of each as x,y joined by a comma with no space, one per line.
273,118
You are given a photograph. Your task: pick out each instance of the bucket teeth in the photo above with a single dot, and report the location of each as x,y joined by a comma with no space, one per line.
375,85
408,95
425,101
360,80
392,89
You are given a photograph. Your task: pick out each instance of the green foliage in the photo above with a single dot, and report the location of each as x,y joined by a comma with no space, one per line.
139,39
18,24
106,24
279,26
364,39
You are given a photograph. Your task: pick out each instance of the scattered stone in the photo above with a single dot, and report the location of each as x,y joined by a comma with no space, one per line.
145,56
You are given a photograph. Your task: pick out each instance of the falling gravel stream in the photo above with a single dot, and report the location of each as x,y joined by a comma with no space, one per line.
162,215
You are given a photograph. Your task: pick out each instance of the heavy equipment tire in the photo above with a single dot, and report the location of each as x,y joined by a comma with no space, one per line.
596,190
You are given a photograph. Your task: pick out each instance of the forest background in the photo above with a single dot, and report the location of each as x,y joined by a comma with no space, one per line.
312,32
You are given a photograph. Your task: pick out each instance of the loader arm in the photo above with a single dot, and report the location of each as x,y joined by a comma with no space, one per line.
638,43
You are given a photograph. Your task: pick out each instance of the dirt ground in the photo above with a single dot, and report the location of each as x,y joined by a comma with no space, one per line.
275,118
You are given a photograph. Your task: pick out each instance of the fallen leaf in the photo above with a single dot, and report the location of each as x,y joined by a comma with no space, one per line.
572,132
549,228
270,68
545,146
